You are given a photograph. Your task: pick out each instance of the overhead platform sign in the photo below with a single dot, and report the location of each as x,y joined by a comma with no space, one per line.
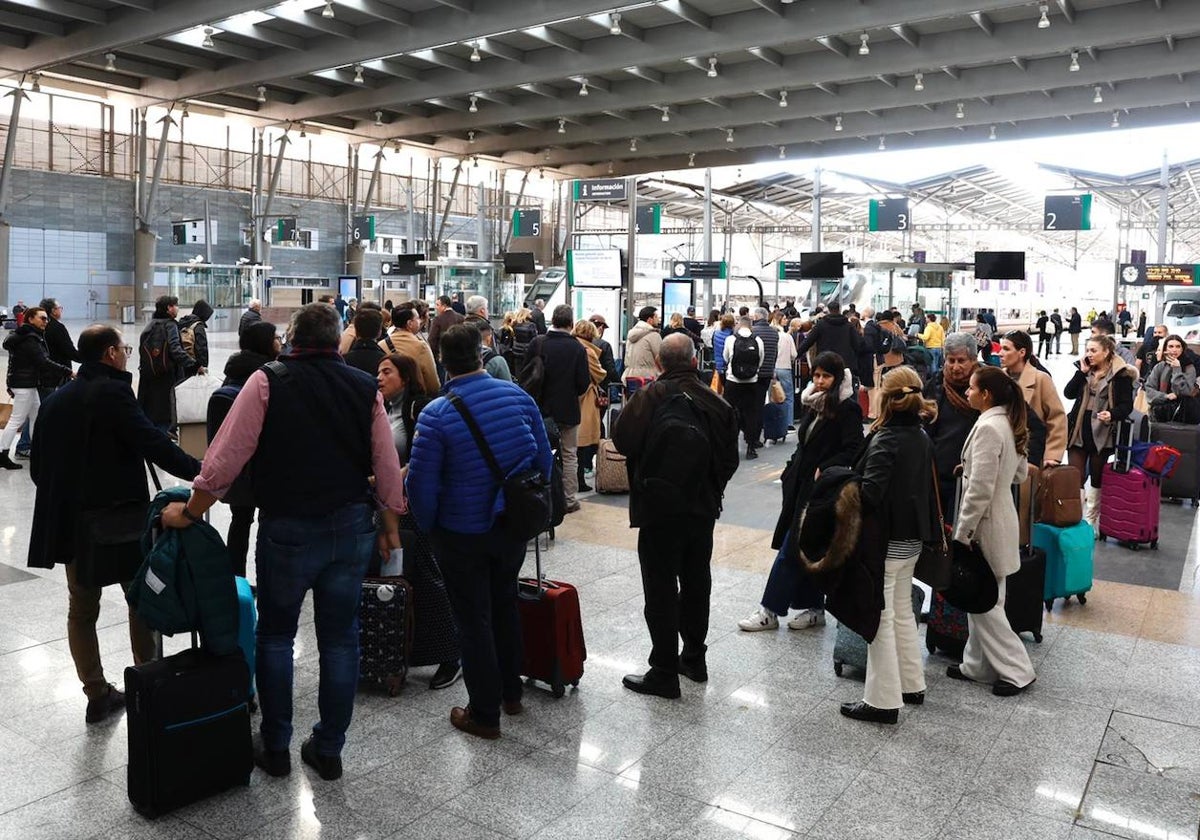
594,268
700,270
527,223
191,232
599,189
1158,274
789,271
889,214
649,219
1067,212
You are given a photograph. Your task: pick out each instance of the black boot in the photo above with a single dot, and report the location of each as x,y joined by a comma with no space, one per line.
583,485
7,463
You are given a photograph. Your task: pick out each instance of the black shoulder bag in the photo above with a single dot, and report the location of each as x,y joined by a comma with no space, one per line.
108,540
527,495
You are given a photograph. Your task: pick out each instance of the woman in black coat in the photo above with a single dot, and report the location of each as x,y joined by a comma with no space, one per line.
828,433
897,494
30,369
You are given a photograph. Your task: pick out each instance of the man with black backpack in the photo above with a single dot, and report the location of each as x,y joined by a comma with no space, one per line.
680,442
163,363
744,354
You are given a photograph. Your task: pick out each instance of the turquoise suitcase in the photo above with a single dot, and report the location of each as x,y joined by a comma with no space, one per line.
1068,560
247,624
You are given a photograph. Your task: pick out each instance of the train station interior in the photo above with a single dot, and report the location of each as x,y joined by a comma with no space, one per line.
590,154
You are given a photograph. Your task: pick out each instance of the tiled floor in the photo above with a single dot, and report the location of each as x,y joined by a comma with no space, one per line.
1107,742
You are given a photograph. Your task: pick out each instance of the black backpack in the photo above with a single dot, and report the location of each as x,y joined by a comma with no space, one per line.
154,350
744,359
678,454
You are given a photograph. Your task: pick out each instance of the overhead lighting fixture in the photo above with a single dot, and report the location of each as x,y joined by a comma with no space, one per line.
666,113
583,91
327,12
475,56
1044,20
614,23
863,47
633,144
358,74
37,84
110,62
470,136
992,132
712,67
546,153
919,83
729,135
262,93
303,133
782,152
183,113
1098,97
474,106
207,43
610,167
837,123
475,161
882,143
562,126
1116,123
1074,66
783,99
692,159
960,112
378,119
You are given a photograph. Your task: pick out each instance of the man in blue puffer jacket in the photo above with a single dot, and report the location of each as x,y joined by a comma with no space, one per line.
457,501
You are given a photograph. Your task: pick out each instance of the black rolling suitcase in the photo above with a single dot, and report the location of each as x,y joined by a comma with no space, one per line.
189,729
1184,483
1023,593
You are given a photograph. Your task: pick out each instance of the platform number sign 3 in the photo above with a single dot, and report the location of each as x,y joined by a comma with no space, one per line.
889,214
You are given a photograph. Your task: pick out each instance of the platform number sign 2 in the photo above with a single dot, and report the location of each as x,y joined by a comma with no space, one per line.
889,214
1067,212
527,223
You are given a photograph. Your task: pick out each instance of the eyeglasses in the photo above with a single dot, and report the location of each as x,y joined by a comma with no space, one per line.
125,347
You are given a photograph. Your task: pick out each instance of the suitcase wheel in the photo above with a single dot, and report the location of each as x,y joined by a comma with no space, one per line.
1154,544
394,683
1100,536
930,645
1037,637
837,667
558,689
1049,604
1082,598
575,684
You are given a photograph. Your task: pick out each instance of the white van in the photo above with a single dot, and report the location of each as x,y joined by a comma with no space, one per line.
1181,313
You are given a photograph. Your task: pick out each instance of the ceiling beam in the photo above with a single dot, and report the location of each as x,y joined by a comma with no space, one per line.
184,58
686,11
768,55
556,38
832,42
67,9
36,25
906,33
1067,7
377,9
983,22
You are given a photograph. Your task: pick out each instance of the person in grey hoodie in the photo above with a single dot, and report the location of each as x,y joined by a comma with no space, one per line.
642,346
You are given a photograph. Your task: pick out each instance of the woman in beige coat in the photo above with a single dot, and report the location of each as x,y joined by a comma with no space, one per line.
994,459
1016,352
589,410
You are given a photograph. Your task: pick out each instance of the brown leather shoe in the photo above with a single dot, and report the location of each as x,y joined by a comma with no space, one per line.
461,719
513,707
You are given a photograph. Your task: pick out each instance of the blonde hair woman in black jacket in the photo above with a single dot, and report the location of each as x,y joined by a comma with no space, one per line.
897,489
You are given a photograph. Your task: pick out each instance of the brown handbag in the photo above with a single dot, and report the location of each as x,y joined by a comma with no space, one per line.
1058,501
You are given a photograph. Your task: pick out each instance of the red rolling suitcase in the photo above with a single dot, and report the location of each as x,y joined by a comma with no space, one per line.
551,630
1129,507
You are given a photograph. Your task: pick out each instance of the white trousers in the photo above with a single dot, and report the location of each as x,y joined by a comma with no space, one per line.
26,403
894,658
994,652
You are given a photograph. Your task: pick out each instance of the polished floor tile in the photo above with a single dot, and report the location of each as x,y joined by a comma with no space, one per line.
1138,805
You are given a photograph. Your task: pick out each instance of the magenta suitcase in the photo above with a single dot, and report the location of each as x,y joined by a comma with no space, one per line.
1129,504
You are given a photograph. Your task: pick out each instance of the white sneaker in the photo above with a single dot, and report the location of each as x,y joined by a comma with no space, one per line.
761,619
807,618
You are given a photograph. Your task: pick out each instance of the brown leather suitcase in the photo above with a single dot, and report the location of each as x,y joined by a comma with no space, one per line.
1025,503
1058,498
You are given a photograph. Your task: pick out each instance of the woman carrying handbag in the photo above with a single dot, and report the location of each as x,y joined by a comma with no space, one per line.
994,458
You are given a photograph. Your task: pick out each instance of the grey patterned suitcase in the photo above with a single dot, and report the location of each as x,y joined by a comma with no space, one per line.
851,649
385,632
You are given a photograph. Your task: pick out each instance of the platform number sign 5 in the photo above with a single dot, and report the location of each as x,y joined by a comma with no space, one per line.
527,223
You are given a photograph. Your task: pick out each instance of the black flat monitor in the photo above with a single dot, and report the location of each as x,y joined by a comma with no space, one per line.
822,265
999,265
407,264
519,262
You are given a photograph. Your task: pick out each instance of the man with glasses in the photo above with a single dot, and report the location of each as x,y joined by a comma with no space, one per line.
90,445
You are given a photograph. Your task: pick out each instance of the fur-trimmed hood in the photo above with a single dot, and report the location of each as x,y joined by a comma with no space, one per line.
830,524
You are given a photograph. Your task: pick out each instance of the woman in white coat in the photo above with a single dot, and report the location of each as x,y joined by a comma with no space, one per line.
994,459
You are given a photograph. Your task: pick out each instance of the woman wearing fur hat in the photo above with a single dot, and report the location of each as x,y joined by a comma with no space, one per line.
829,433
897,491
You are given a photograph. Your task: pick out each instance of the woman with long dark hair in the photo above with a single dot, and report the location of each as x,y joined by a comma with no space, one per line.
1047,420
994,458
828,433
1171,385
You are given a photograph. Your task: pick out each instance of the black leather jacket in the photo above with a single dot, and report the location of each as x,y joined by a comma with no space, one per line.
29,363
897,470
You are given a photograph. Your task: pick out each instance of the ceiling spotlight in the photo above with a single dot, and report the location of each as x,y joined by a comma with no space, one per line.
475,161
783,99
470,136
327,12
992,133
474,106
882,144
303,133
207,43
562,126
110,62
614,23
37,86
262,93
1074,67
960,113
546,153
666,115
729,135
782,152
378,118
692,159
864,48
633,144
1098,97
183,113
610,167
475,56
919,83
358,76
1116,123
837,123
1044,20
712,67
583,91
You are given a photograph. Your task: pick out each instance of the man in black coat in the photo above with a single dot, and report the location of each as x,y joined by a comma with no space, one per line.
835,333
252,315
565,381
692,325
538,315
58,339
675,549
99,439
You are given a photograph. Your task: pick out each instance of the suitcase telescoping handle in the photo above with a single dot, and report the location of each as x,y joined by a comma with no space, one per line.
537,560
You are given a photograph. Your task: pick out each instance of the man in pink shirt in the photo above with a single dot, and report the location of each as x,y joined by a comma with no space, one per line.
317,522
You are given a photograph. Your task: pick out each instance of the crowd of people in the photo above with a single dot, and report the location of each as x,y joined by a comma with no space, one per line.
417,405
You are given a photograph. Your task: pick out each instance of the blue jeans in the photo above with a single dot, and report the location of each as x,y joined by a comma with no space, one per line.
936,353
26,440
329,555
789,587
784,375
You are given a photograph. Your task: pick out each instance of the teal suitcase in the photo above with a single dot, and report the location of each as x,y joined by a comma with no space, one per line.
1068,560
